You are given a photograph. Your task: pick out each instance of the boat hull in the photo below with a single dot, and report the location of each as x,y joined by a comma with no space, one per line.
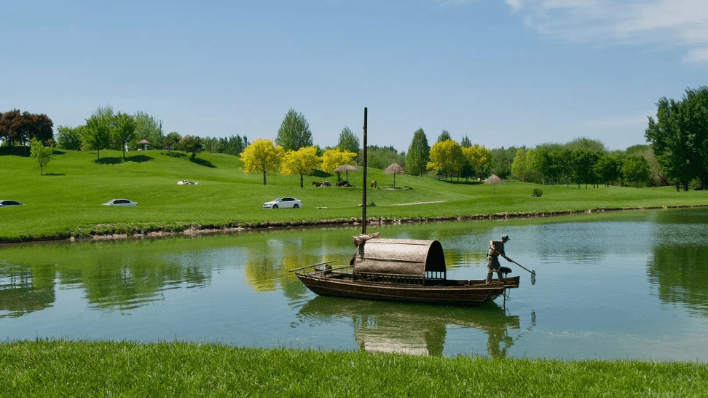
460,293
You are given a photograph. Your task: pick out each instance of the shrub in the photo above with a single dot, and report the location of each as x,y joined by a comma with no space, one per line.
537,192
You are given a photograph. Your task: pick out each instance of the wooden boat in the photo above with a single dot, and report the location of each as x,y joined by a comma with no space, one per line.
400,270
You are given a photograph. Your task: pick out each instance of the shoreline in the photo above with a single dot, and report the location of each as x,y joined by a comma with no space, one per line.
81,234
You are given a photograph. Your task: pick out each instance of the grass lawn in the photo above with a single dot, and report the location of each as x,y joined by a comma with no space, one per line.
66,201
64,368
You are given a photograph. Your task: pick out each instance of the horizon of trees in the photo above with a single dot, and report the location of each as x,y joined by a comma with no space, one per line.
677,152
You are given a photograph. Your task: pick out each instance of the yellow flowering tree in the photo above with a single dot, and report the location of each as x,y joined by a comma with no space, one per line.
300,162
479,158
446,157
262,156
334,158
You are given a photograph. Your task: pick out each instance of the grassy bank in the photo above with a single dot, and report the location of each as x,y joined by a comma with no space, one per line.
66,200
63,368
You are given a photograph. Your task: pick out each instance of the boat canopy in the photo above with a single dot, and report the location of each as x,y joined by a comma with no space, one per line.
399,257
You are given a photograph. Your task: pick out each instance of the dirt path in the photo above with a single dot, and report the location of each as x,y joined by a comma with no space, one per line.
417,203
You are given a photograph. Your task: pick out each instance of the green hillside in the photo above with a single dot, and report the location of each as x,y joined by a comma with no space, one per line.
67,200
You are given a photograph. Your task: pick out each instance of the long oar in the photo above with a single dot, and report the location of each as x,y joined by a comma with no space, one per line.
533,272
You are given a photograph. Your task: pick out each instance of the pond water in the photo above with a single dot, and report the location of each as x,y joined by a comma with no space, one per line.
630,285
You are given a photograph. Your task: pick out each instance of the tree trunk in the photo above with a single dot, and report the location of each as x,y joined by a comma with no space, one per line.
264,178
300,180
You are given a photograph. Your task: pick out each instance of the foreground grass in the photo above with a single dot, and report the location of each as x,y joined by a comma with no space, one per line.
64,368
66,200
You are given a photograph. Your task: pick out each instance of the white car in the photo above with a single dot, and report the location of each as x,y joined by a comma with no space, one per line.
120,202
8,203
283,203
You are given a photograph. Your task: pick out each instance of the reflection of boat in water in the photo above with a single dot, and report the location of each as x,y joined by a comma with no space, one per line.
400,270
414,329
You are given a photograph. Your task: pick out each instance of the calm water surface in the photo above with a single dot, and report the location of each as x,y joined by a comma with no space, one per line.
628,285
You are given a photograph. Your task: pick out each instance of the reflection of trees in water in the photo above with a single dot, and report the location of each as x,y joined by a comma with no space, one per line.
26,289
412,329
127,287
679,265
681,275
114,275
125,279
268,266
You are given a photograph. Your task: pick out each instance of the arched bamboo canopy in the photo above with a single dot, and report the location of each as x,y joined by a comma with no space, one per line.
399,257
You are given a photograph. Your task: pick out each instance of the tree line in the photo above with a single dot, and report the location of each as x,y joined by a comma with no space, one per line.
677,154
555,164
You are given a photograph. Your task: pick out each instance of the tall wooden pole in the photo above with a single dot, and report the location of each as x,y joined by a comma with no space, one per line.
363,199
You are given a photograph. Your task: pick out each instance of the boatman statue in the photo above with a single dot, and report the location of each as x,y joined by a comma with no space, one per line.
496,249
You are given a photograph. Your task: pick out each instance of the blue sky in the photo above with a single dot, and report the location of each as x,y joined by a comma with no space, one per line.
513,72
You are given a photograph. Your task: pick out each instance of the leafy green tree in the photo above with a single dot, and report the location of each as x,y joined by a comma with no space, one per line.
444,136
233,145
98,133
348,141
587,143
583,164
172,139
608,168
418,153
502,160
679,136
466,143
294,132
563,162
124,130
262,157
300,162
191,145
522,166
148,128
42,154
381,157
695,103
543,165
70,138
636,169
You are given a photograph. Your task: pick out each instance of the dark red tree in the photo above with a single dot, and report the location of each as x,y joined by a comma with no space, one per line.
22,127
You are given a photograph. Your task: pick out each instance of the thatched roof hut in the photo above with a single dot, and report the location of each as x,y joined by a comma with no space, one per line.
394,169
494,179
347,168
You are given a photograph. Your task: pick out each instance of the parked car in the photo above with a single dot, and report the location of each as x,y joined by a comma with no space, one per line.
283,203
8,203
120,202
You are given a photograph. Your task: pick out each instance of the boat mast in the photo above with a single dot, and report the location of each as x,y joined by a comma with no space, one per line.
363,200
